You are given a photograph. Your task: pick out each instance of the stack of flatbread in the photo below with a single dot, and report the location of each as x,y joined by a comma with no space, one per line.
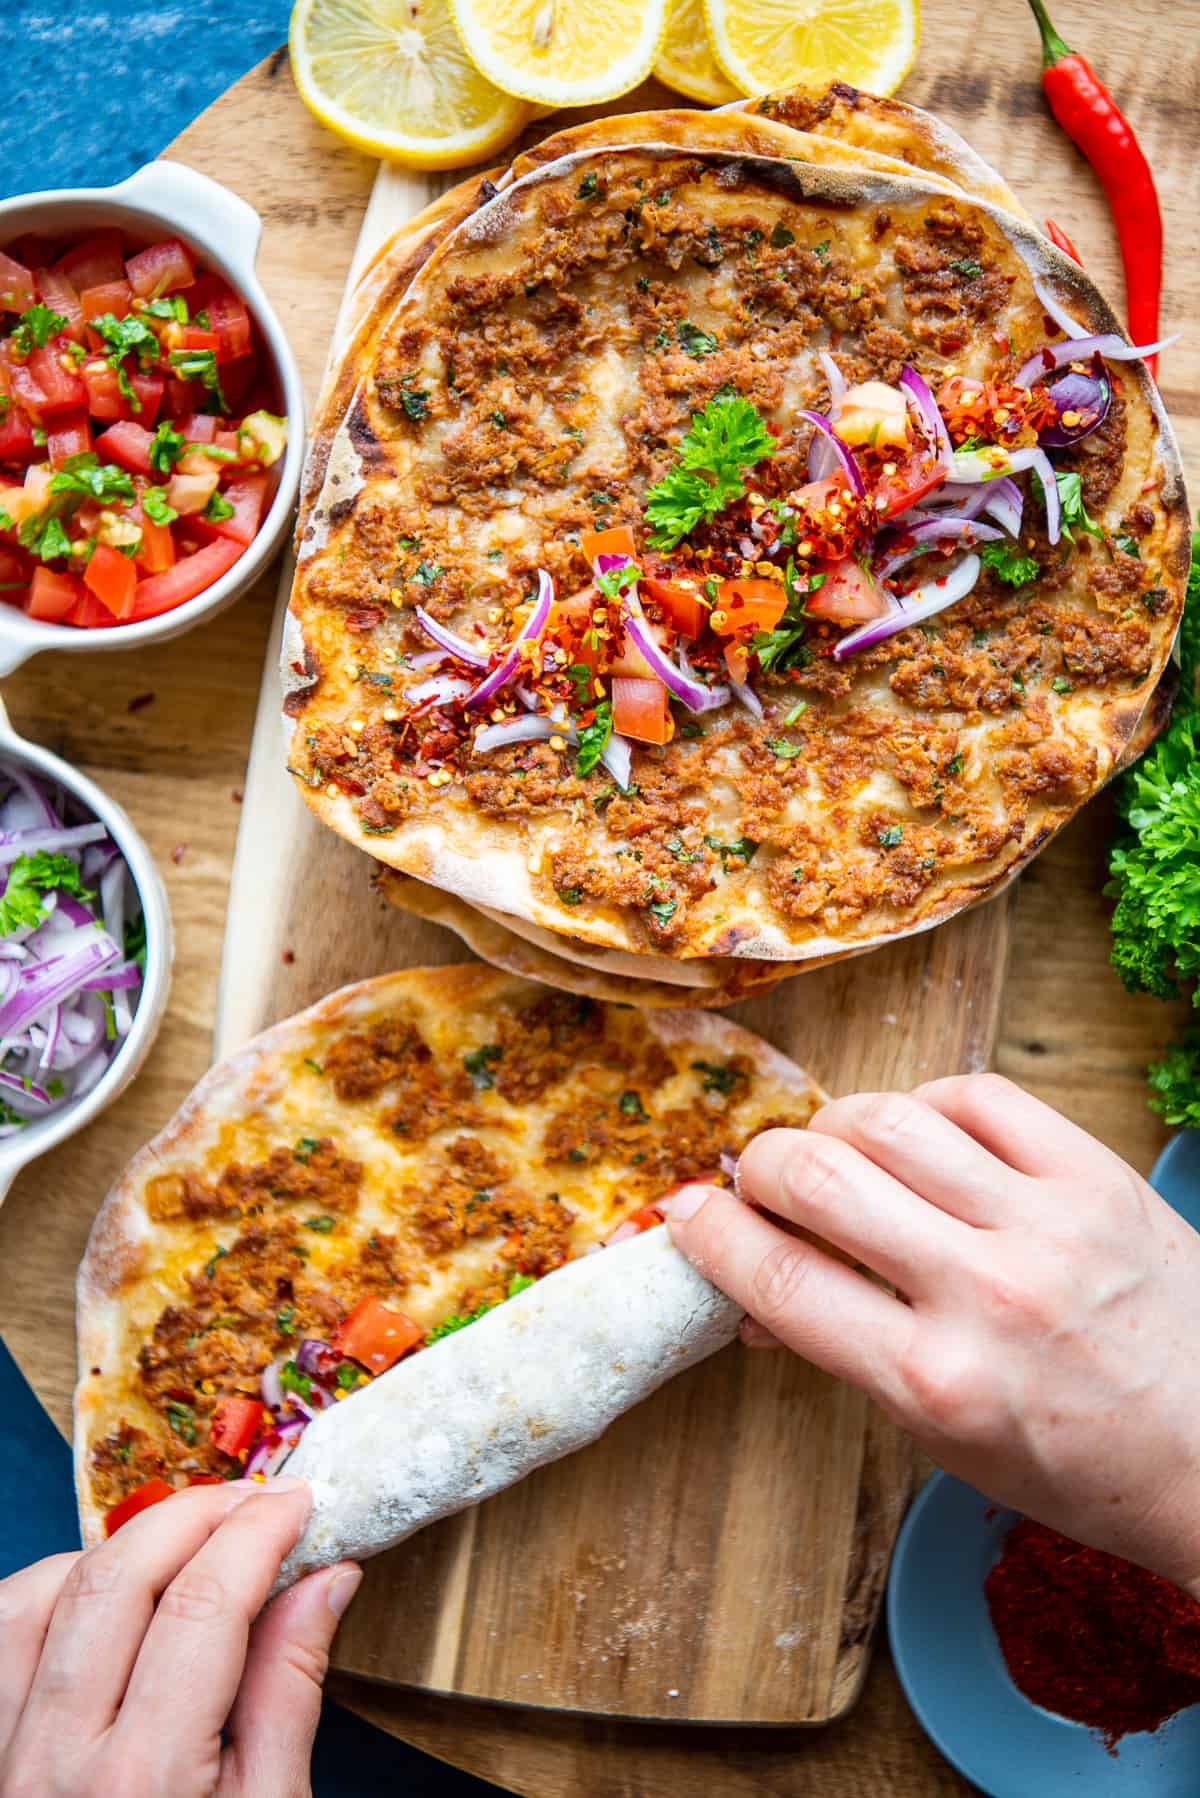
915,790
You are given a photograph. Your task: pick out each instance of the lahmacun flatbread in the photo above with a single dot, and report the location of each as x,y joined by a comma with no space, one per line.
364,1179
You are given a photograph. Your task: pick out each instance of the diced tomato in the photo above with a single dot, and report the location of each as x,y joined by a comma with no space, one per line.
617,540
16,285
246,493
105,399
128,445
748,605
228,440
15,573
38,477
54,290
51,595
16,433
149,391
190,576
206,1479
90,614
178,398
198,427
737,661
375,1335
911,482
112,296
112,577
191,492
637,1221
152,1493
640,709
161,268
44,387
235,1424
237,380
33,250
227,316
681,602
69,435
847,595
95,261
193,338
156,552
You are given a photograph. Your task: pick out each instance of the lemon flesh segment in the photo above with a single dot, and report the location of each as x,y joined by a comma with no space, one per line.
686,61
391,77
562,52
765,44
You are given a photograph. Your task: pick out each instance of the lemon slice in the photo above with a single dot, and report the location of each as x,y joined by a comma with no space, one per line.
392,78
765,44
562,52
686,61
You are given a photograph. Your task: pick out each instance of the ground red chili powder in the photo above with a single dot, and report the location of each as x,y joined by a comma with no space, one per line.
1093,1637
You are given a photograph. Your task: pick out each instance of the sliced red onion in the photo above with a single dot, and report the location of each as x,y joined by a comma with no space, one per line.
821,458
617,757
954,499
1005,503
272,1390
928,535
528,633
842,451
748,697
1090,396
41,985
450,641
316,1357
23,1088
926,408
838,384
728,1163
1070,327
114,980
1082,349
530,729
37,810
684,687
275,1448
923,602
28,842
441,689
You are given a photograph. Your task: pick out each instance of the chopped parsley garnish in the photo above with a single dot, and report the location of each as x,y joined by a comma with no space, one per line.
1074,512
781,237
135,941
480,1062
348,1376
588,188
210,1267
322,1225
460,1319
30,876
285,1320
426,573
743,847
169,306
86,474
182,1419
797,711
784,649
166,447
662,911
631,1106
891,836
292,1380
130,336
34,329
218,507
156,507
821,250
955,764
199,365
1128,545
45,538
593,738
718,1077
723,440
1060,684
696,342
415,401
967,266
306,1148
785,750
570,895
1008,564
500,420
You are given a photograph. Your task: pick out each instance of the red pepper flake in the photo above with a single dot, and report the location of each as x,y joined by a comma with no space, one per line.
1090,1636
288,957
178,853
139,701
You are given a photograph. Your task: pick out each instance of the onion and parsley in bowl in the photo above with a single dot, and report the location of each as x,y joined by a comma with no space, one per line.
72,949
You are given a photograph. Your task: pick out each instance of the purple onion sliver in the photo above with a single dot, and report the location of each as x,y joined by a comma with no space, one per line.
118,980
529,729
617,757
1082,349
1089,396
842,451
313,1354
1070,327
926,407
55,841
921,603
450,641
529,632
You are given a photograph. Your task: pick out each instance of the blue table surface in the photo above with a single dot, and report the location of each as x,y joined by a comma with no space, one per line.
88,94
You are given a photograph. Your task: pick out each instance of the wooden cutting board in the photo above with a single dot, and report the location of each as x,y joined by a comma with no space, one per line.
720,1555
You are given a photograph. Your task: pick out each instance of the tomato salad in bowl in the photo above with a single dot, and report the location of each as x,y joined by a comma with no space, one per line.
150,413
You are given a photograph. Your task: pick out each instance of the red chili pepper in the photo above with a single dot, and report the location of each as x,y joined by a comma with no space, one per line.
1058,236
1092,120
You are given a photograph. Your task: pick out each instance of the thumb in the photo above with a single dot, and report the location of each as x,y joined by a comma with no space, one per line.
274,1717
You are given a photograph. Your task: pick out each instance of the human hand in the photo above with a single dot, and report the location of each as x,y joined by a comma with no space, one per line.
123,1665
1043,1343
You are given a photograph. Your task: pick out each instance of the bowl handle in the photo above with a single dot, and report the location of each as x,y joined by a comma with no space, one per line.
214,214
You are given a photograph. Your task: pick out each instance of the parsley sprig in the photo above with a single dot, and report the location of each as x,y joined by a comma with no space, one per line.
23,904
722,442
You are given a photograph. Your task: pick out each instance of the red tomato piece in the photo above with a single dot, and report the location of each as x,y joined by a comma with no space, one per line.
156,552
178,398
748,605
70,435
640,709
33,250
128,445
198,427
161,268
193,338
190,576
911,482
112,296
95,261
617,540
682,604
54,290
246,493
374,1335
206,1479
105,399
16,433
634,1224
44,387
227,316
112,577
15,570
52,595
90,614
237,380
235,1424
848,596
16,285
149,391
152,1493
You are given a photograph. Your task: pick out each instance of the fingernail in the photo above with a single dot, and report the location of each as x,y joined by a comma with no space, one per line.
342,1588
685,1203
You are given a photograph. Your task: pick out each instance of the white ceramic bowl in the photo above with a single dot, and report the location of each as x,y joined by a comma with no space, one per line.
169,199
26,1145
